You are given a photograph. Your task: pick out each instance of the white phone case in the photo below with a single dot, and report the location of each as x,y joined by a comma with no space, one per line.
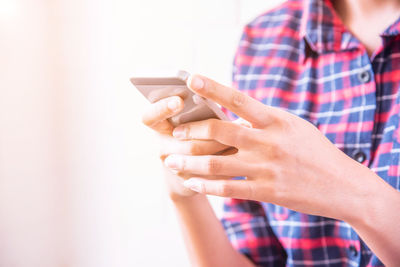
196,108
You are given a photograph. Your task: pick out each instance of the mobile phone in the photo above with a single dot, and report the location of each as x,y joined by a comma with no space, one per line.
196,108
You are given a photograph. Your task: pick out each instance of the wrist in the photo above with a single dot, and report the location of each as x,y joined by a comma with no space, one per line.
178,199
375,219
370,196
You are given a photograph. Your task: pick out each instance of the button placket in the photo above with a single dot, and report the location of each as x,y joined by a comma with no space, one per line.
366,81
359,156
353,251
364,76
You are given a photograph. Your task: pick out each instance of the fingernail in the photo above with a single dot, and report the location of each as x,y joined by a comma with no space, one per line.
196,82
173,162
194,185
173,104
179,132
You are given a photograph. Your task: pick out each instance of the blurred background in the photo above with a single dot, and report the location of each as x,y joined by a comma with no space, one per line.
79,178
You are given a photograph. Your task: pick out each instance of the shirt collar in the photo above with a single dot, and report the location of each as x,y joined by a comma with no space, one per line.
392,30
323,30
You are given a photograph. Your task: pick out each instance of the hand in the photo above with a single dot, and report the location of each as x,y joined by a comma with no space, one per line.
285,159
156,118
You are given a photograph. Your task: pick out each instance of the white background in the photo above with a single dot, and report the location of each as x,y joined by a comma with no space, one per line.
79,178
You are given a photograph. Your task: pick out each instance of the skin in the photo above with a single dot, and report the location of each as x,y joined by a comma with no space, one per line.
286,160
289,162
367,19
205,239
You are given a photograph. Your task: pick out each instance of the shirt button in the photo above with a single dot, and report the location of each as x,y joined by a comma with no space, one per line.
353,251
364,76
359,156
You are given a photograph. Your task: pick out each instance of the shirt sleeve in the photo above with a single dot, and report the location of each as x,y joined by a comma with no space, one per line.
246,226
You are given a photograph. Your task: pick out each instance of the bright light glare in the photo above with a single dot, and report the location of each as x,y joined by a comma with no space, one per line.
8,9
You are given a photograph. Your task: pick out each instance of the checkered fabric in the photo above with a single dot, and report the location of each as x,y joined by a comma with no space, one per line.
300,57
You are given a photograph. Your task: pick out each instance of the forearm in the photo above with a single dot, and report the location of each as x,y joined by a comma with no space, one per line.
204,236
377,216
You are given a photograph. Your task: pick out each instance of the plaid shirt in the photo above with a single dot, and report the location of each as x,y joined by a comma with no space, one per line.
300,57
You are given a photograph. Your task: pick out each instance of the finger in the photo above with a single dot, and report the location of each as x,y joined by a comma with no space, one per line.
172,145
243,123
242,189
228,133
207,177
158,113
186,176
209,165
239,103
214,177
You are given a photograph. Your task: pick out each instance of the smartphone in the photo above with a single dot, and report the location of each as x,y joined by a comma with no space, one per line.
196,108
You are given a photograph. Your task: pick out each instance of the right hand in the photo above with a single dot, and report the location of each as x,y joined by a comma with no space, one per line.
157,119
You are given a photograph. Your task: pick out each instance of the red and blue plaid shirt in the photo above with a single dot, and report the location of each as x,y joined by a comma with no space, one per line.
301,57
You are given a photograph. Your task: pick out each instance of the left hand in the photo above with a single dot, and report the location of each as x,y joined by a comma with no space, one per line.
285,159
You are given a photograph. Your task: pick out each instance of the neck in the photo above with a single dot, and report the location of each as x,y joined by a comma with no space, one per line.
353,9
367,19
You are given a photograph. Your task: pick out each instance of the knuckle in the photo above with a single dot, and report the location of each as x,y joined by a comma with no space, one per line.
213,166
195,149
274,151
286,124
272,172
224,189
187,131
203,189
183,164
273,116
240,137
270,147
238,99
212,128
275,184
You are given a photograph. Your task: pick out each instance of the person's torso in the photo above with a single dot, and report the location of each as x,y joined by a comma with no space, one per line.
327,78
